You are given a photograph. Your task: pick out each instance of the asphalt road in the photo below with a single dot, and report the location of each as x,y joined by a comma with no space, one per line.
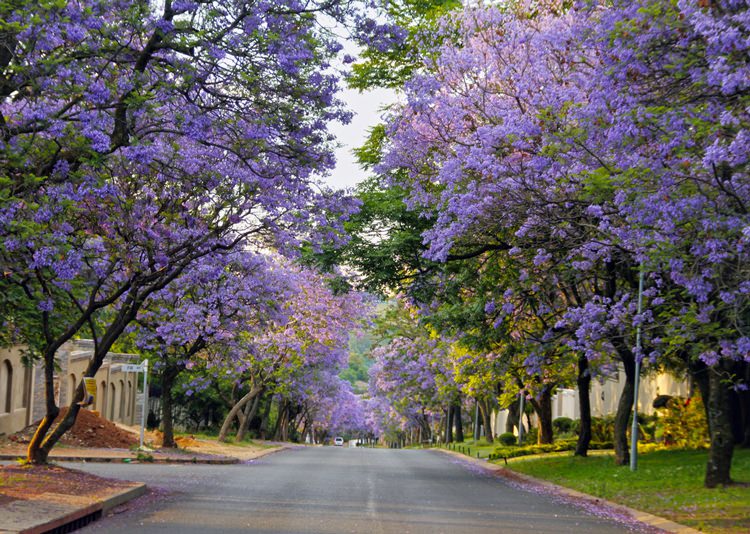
338,490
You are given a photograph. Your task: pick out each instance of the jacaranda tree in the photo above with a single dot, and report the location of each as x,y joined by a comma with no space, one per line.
136,138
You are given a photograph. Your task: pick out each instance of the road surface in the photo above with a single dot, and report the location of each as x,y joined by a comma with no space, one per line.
338,490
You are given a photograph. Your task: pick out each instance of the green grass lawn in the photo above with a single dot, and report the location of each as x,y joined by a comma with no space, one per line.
667,483
471,447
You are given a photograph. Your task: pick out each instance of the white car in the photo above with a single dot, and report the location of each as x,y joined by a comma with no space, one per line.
339,442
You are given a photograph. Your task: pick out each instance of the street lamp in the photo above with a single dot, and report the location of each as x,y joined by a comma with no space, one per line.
634,430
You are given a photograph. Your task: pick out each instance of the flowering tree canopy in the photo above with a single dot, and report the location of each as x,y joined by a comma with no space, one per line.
575,144
137,138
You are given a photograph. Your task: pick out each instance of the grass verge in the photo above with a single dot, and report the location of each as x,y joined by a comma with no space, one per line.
667,483
475,449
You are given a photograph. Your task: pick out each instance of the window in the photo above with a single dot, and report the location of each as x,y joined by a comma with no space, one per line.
121,410
112,404
27,369
101,393
6,379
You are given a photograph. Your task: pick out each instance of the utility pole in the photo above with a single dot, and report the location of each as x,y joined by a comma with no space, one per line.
634,429
520,417
476,420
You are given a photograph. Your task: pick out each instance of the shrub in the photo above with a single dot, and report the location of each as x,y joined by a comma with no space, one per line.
683,423
507,438
562,425
558,446
531,436
602,428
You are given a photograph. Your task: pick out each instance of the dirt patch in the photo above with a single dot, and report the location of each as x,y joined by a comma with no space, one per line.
89,430
27,482
241,452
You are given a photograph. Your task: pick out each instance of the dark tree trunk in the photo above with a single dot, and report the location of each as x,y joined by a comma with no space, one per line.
426,428
624,408
699,373
254,391
253,409
168,376
281,421
745,408
449,424
584,405
543,409
722,440
265,419
512,421
459,423
484,408
740,404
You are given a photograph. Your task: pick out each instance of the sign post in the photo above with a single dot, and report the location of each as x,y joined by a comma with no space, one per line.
140,368
145,399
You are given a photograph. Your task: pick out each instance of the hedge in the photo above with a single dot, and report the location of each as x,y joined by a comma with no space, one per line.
558,446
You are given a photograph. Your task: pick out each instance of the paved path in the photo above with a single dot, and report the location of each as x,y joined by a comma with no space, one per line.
338,490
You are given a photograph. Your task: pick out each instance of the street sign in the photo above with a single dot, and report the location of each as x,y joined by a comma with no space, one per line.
131,368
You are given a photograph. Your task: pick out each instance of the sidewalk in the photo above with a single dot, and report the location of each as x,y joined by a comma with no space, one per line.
582,498
39,498
183,456
73,454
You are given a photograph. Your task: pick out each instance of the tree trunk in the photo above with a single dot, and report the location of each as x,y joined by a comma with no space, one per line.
459,423
546,430
424,424
265,418
37,452
235,410
745,406
248,418
512,421
168,376
281,421
740,404
624,408
543,409
584,406
449,424
722,440
484,408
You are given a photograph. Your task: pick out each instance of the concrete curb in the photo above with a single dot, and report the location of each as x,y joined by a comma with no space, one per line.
266,452
122,497
99,509
132,459
644,517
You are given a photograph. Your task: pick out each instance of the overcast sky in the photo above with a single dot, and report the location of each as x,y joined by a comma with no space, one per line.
366,108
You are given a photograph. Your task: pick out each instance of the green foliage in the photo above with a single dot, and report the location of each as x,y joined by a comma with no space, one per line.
683,423
558,446
396,65
144,457
357,372
562,425
531,436
507,438
602,428
385,248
